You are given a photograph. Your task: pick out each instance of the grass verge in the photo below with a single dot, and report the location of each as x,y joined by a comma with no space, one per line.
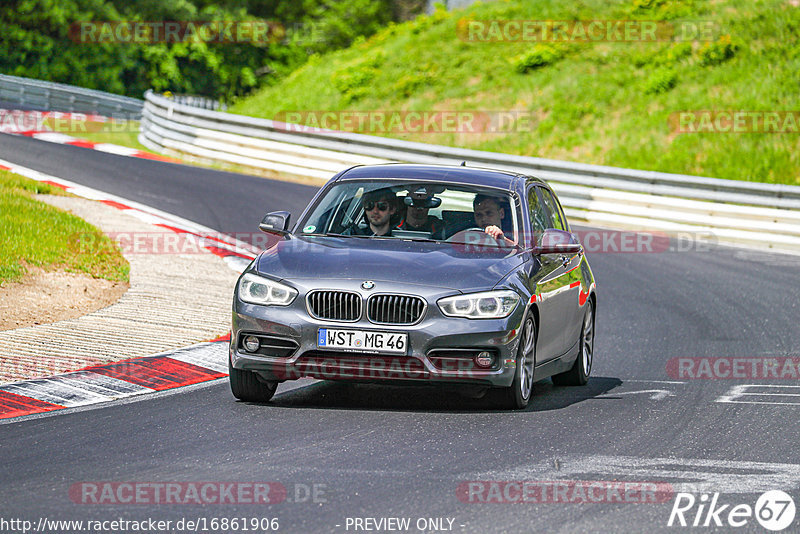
124,133
34,233
609,103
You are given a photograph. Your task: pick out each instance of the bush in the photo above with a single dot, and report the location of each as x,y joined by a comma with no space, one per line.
660,81
409,83
718,52
664,9
676,53
353,80
539,56
37,42
337,24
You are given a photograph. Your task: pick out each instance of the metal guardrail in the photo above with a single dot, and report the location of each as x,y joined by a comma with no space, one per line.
26,93
733,211
198,102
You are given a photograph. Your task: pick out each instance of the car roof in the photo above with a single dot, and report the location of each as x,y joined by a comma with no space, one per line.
445,173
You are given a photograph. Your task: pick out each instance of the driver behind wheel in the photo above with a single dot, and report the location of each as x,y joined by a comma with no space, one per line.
489,214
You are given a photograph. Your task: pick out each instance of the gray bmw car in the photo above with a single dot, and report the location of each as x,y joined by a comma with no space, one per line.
418,274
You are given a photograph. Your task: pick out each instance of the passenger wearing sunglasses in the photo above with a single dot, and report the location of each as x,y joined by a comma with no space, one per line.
379,208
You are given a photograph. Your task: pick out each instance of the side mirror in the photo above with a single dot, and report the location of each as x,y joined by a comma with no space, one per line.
557,242
276,222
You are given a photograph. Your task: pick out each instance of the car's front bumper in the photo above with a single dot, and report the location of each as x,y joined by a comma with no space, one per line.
440,348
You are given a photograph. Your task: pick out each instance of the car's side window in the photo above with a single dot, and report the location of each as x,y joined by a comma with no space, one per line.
556,217
537,213
561,216
564,220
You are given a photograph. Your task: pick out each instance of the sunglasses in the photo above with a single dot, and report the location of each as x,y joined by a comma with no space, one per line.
383,206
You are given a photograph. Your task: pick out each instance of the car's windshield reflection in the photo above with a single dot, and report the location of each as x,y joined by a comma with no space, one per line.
416,211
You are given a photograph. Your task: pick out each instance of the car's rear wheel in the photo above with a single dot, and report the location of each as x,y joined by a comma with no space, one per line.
578,375
517,395
248,386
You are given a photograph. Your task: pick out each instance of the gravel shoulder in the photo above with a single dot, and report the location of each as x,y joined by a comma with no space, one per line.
173,300
43,297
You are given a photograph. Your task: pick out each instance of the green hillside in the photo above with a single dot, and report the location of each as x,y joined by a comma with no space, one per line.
607,102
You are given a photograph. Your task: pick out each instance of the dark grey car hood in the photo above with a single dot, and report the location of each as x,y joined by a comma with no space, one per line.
432,264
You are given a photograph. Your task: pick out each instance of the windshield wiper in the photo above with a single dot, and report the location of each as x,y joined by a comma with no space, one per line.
343,235
420,239
332,235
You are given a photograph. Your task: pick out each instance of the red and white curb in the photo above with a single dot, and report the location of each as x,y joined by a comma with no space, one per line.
236,253
126,378
64,139
32,124
135,376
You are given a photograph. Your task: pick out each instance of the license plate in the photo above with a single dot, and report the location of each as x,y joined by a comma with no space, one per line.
362,341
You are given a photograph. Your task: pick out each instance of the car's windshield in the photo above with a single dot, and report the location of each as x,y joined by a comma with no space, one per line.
415,210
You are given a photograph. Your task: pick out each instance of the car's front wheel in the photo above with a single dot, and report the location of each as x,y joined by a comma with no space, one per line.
517,395
248,386
578,375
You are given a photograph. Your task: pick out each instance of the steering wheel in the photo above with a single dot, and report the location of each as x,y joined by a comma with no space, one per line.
462,234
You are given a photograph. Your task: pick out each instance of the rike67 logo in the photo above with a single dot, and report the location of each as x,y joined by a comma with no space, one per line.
774,510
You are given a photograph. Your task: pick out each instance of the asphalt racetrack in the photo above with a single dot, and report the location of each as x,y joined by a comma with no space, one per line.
351,456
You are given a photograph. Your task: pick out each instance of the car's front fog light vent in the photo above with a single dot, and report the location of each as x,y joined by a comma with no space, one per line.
266,345
334,305
395,309
458,360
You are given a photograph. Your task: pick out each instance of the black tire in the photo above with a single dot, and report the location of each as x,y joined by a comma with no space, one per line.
578,375
247,385
517,395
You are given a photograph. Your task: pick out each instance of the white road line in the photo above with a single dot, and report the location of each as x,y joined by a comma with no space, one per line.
655,394
773,394
115,149
684,474
653,381
237,263
762,402
738,394
54,137
777,386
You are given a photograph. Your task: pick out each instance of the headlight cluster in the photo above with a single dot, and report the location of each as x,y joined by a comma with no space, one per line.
486,305
258,290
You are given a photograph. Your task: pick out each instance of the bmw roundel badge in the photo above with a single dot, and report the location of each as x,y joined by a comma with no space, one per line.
369,284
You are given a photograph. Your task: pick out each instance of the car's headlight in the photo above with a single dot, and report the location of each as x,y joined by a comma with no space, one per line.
258,290
486,305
